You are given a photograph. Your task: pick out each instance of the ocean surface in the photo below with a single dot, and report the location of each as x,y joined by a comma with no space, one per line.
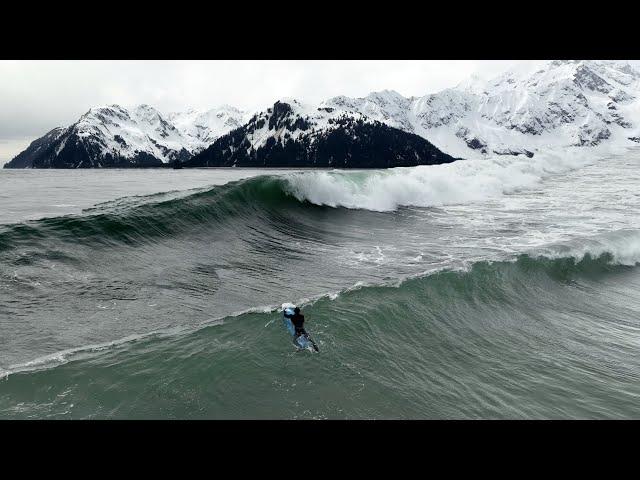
480,289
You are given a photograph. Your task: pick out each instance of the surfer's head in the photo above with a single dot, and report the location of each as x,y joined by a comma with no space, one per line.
296,310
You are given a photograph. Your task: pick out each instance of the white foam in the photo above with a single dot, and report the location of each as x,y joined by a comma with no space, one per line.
623,245
461,182
65,356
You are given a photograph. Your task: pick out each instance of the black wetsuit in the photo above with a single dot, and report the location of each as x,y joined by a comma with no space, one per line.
298,322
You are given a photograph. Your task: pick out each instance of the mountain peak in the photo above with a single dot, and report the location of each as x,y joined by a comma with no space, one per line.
288,100
474,83
386,94
146,113
105,109
144,107
532,106
228,108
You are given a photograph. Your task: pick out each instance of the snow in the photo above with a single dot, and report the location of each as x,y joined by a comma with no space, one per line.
563,104
318,118
202,128
566,103
126,132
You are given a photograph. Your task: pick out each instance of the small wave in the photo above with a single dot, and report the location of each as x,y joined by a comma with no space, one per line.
132,220
64,356
621,247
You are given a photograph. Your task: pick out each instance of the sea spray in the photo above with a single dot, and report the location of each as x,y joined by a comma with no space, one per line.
461,182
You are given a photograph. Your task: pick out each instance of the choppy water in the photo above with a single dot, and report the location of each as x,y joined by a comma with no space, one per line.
494,289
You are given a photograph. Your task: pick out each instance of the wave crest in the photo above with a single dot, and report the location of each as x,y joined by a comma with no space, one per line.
460,182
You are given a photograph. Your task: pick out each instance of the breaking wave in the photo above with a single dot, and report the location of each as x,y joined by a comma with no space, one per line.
136,219
426,186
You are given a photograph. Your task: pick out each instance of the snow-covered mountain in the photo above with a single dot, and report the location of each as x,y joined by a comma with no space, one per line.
202,128
292,134
114,136
521,112
565,103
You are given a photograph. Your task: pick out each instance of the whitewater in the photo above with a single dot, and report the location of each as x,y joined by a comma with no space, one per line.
498,288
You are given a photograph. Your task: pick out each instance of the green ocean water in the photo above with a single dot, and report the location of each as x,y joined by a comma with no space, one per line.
506,304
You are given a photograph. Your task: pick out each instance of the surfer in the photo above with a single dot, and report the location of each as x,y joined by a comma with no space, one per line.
298,322
297,319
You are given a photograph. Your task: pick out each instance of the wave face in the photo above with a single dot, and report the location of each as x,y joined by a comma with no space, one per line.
134,220
471,290
521,339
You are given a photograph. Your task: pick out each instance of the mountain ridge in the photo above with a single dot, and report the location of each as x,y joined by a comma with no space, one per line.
291,134
565,103
523,111
139,136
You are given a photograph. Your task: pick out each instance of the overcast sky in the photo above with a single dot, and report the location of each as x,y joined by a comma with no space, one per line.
36,96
